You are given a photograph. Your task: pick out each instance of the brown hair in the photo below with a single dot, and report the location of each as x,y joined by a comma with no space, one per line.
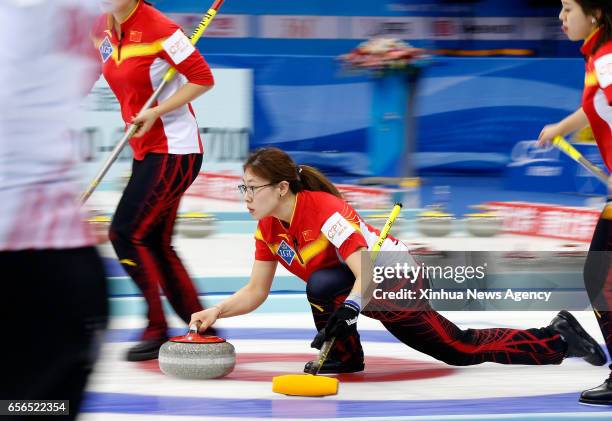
590,7
276,165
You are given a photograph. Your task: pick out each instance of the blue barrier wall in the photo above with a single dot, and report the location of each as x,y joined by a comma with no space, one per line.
482,8
470,112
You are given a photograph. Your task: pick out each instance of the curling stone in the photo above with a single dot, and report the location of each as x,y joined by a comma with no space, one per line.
484,224
195,356
100,225
195,224
435,223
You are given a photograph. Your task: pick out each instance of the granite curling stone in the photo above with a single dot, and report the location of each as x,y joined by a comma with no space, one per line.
195,356
195,224
434,223
485,224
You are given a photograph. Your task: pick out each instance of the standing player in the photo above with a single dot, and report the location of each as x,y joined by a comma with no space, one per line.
137,44
306,226
53,300
591,21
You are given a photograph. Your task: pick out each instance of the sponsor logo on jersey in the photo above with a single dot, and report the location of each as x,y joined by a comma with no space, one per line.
337,229
285,236
603,65
178,47
285,252
106,49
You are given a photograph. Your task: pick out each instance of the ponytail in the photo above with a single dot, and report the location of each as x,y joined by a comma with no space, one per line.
313,180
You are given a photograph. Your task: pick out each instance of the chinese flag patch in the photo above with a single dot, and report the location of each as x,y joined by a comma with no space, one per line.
135,36
307,235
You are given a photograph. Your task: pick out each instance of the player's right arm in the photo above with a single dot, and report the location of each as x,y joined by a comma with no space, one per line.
576,121
243,301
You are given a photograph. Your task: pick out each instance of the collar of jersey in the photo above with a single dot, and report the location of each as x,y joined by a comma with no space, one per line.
295,208
589,43
130,18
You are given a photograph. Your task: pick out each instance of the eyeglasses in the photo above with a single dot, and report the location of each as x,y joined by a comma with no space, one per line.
250,190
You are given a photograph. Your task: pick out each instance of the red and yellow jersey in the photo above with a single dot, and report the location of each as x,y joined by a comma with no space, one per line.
597,97
323,232
133,64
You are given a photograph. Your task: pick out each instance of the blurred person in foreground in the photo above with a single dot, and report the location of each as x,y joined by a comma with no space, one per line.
53,301
590,21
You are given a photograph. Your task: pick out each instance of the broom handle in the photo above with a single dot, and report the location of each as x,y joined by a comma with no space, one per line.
573,153
327,345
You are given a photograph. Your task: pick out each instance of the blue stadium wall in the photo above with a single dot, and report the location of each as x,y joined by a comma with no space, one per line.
470,111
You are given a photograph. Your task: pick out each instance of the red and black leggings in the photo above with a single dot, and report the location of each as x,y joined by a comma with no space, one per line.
598,274
141,234
429,332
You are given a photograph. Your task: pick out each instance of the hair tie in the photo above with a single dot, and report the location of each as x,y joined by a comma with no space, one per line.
299,169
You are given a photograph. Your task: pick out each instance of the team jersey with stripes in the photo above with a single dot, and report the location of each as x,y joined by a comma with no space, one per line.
134,63
597,96
45,73
324,231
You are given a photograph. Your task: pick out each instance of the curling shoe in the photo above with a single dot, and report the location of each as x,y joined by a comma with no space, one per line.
600,395
579,342
145,350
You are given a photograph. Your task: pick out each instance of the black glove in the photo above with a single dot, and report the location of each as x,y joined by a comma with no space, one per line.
342,323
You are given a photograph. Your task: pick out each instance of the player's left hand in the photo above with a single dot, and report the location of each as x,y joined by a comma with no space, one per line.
145,121
342,323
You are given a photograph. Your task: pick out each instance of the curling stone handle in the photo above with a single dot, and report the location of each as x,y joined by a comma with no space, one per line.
194,329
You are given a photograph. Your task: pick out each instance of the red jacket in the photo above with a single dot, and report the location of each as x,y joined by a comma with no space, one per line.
134,64
597,97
